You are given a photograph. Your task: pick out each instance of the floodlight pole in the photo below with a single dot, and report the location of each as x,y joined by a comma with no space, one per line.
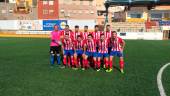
107,12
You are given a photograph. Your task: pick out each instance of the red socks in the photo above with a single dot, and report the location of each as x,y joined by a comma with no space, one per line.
110,64
121,64
65,61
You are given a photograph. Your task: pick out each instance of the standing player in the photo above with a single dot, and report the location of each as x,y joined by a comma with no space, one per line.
90,50
96,33
55,46
86,32
66,31
103,51
78,55
118,45
108,32
68,51
77,32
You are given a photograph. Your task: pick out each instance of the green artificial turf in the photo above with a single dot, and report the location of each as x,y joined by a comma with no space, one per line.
25,71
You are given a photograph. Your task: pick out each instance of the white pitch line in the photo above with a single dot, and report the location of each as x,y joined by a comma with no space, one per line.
159,80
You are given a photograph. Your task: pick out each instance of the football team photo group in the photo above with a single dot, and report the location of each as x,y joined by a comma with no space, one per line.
76,49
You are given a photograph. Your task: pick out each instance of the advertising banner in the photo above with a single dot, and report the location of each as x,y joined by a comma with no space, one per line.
48,25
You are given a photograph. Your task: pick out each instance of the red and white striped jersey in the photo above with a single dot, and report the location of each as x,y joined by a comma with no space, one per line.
116,44
70,33
79,45
67,44
107,34
75,34
85,35
90,45
96,35
103,46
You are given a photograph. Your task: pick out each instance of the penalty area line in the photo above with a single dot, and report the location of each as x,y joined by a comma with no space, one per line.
159,80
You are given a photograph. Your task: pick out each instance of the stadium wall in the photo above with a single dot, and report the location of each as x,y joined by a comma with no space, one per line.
141,35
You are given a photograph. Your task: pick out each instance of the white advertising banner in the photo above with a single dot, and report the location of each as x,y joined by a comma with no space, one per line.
12,1
30,24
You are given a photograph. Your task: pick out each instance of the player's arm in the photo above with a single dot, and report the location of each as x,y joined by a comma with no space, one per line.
74,46
123,44
62,45
84,45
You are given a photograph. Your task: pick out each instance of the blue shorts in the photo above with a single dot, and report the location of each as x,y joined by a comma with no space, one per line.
69,52
116,53
79,52
94,54
103,55
109,49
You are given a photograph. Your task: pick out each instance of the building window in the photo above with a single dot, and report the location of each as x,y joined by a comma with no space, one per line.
166,15
51,11
156,16
45,2
136,15
51,2
45,11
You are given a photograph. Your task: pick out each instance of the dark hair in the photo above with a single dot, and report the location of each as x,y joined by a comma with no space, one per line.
55,25
90,35
107,25
76,26
78,36
86,26
66,25
102,34
114,32
96,26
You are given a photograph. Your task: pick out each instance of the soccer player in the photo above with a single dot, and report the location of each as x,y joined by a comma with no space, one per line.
77,32
108,32
55,46
66,31
102,43
90,50
96,33
68,51
78,55
86,32
118,45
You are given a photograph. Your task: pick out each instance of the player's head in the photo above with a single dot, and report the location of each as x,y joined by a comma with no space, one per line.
76,28
107,27
90,37
66,27
114,34
79,38
102,37
66,36
55,27
85,28
96,28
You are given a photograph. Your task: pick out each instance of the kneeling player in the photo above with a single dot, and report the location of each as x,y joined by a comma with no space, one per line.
68,51
78,55
103,52
90,50
118,45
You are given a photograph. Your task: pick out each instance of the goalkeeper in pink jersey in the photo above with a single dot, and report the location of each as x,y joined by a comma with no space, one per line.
55,46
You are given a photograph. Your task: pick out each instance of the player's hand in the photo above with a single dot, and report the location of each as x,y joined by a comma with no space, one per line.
59,42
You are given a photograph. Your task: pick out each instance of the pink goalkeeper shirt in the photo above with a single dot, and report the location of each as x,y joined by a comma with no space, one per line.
55,37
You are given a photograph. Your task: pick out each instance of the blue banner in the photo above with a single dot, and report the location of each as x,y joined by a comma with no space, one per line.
48,25
164,23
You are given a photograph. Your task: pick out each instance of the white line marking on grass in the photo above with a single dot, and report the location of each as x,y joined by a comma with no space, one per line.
159,80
